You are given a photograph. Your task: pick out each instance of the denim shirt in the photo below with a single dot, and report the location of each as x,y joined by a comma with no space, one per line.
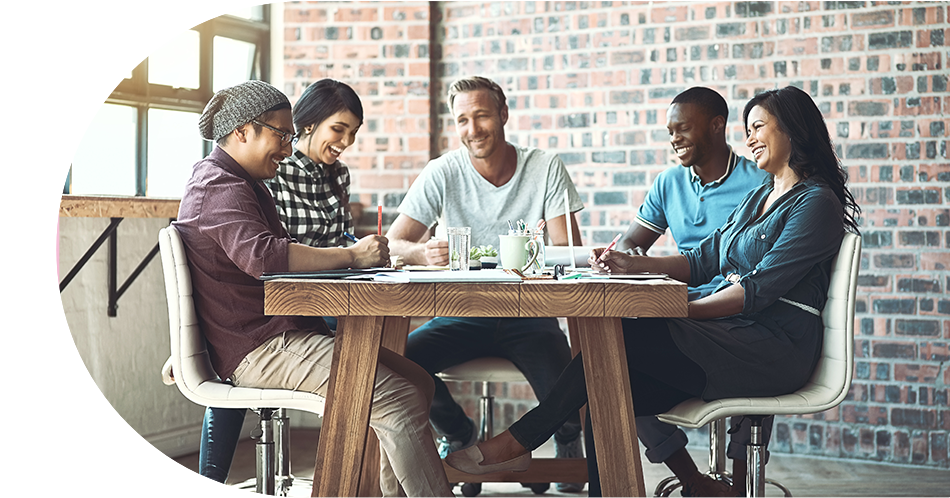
786,252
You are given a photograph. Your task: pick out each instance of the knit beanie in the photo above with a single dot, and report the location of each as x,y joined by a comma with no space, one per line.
237,105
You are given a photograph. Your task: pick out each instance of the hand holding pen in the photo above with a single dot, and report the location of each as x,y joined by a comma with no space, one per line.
609,247
597,256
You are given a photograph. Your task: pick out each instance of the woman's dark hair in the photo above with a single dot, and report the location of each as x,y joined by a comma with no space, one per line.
322,100
812,155
318,102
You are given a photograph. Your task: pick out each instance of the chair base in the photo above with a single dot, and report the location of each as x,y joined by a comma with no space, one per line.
299,488
756,480
672,483
272,476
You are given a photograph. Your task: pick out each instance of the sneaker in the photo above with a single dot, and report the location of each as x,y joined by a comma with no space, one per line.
447,445
569,450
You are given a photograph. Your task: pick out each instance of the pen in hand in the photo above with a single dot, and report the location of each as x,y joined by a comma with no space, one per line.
350,236
609,248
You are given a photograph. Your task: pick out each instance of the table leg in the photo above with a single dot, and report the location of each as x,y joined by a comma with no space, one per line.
346,417
395,331
611,406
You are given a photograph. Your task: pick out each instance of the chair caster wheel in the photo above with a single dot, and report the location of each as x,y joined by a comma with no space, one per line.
537,487
471,488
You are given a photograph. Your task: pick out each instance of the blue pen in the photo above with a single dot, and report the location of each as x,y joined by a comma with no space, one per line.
350,236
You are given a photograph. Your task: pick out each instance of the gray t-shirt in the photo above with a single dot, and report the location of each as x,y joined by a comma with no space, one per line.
451,191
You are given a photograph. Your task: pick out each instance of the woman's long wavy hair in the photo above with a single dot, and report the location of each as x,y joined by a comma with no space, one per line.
813,154
319,102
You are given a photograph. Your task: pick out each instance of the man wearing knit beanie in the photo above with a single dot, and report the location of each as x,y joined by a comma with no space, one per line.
233,235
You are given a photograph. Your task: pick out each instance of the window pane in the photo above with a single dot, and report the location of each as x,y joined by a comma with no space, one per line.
174,146
105,160
176,64
102,43
246,10
233,62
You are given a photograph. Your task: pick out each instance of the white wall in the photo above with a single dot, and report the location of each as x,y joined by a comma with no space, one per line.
125,354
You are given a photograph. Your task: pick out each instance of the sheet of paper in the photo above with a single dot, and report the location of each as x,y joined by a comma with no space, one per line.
447,276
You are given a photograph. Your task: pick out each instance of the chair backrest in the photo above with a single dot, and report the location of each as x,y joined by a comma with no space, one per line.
191,362
836,365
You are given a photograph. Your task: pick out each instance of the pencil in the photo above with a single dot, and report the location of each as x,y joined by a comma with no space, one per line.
609,247
379,219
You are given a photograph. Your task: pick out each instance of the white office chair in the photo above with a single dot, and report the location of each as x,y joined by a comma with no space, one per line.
488,370
197,380
827,387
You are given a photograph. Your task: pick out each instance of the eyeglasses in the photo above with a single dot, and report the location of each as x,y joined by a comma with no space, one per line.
285,137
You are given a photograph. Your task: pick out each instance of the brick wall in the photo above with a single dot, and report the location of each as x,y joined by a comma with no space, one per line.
592,81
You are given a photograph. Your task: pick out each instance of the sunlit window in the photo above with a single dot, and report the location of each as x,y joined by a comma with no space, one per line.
144,139
177,63
173,147
105,161
102,43
233,62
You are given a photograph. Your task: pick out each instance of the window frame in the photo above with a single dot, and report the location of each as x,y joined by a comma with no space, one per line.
138,93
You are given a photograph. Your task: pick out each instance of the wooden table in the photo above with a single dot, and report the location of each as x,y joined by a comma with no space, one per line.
375,314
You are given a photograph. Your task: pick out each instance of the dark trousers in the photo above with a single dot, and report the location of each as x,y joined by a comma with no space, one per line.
661,377
537,346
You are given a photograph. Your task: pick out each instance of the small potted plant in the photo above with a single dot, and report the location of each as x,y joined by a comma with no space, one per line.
483,257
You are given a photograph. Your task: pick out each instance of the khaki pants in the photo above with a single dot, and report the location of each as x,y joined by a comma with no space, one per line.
409,463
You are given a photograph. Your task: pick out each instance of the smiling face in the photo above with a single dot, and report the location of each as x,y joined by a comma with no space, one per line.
770,146
479,124
692,133
325,142
260,151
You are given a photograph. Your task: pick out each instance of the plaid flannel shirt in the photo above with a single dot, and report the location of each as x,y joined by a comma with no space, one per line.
308,208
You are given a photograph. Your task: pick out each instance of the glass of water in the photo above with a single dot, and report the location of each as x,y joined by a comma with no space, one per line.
460,244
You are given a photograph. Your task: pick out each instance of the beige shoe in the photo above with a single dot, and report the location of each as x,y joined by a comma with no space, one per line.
469,461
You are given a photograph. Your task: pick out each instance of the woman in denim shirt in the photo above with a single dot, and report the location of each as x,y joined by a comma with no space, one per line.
760,333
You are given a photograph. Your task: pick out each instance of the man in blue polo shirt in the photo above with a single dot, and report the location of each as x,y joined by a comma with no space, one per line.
691,202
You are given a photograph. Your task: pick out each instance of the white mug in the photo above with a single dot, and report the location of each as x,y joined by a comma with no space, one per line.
517,252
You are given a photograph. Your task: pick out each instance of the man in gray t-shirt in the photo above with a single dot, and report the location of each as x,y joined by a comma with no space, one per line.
484,185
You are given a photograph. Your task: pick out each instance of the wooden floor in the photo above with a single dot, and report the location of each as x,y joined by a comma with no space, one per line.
804,476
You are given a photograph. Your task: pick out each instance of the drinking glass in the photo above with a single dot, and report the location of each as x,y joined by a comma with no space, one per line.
460,245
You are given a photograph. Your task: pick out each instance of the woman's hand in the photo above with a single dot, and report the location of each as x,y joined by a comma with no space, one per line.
370,251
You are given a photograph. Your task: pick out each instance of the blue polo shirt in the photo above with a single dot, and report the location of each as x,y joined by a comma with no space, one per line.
678,201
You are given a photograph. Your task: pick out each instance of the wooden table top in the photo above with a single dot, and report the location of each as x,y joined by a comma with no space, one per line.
547,298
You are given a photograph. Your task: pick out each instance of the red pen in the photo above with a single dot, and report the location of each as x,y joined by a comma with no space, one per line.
379,219
609,247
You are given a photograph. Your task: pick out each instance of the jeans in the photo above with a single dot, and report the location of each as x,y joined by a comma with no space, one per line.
220,431
537,346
